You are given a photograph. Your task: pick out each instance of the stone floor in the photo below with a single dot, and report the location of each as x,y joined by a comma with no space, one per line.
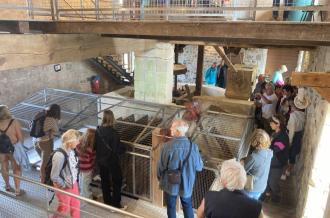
34,203
286,208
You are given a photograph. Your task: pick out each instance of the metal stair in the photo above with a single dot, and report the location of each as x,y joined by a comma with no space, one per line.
111,68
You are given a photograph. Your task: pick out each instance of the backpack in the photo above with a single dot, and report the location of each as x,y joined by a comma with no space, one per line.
48,168
37,125
6,147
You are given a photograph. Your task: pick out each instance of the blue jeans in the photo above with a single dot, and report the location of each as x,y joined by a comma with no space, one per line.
186,206
253,195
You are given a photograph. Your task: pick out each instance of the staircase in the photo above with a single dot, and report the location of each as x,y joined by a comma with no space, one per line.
113,69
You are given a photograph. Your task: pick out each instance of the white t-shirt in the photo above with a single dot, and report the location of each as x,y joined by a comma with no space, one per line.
296,123
268,110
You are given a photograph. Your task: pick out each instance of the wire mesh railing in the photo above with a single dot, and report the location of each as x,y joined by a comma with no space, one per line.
36,202
173,10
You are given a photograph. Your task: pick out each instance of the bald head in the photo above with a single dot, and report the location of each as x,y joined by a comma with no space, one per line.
179,128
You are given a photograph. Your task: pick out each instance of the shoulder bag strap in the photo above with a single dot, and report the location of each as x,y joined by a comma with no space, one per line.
104,142
185,160
4,131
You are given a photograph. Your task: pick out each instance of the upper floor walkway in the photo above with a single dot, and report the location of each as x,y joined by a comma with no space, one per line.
232,22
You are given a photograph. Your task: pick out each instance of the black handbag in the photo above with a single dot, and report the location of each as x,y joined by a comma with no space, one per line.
6,147
174,176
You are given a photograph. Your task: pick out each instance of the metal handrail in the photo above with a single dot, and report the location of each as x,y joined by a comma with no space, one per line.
120,12
92,202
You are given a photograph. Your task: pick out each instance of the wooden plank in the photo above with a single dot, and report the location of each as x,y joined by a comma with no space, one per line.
199,72
324,92
288,33
311,79
19,51
225,58
227,105
157,194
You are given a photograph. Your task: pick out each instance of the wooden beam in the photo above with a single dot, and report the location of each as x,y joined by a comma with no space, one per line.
241,45
225,58
311,79
286,33
18,51
324,92
199,71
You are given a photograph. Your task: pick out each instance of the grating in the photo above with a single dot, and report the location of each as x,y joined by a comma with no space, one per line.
219,136
202,184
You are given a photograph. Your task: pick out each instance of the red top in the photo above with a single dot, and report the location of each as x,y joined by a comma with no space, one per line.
86,159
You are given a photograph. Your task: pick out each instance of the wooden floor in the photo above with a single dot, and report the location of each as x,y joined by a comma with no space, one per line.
287,207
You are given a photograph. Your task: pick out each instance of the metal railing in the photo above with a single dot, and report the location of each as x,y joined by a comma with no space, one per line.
125,10
94,206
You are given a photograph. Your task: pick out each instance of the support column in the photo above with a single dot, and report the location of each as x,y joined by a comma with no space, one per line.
153,76
199,72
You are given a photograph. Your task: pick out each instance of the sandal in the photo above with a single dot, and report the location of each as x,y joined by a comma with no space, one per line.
19,193
7,188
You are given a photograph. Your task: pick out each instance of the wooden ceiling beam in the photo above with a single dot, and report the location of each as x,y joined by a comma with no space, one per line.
245,32
25,50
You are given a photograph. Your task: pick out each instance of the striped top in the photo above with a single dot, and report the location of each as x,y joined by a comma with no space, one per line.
86,159
50,127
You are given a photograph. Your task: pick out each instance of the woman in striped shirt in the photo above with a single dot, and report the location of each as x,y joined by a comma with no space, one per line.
86,161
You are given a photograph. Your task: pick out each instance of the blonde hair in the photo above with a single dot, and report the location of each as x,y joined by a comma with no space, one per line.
69,136
232,175
260,139
108,118
4,113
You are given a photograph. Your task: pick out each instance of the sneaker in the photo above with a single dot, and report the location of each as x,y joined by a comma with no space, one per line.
283,177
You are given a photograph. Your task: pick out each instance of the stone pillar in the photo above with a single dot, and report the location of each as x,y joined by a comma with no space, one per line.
153,76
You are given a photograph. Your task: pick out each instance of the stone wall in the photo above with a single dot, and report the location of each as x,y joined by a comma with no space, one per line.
189,58
17,84
250,56
312,167
256,56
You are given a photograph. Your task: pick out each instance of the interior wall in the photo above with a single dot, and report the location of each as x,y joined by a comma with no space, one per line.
312,168
189,58
17,84
279,56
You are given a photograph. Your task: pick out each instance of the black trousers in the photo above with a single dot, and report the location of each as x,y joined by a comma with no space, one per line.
112,172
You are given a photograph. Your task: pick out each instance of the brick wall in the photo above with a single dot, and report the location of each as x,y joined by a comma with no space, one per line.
277,57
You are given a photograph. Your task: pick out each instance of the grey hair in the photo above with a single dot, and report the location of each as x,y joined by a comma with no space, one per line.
181,126
232,175
4,113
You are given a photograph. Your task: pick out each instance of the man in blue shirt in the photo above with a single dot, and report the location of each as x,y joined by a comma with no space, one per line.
172,156
211,75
